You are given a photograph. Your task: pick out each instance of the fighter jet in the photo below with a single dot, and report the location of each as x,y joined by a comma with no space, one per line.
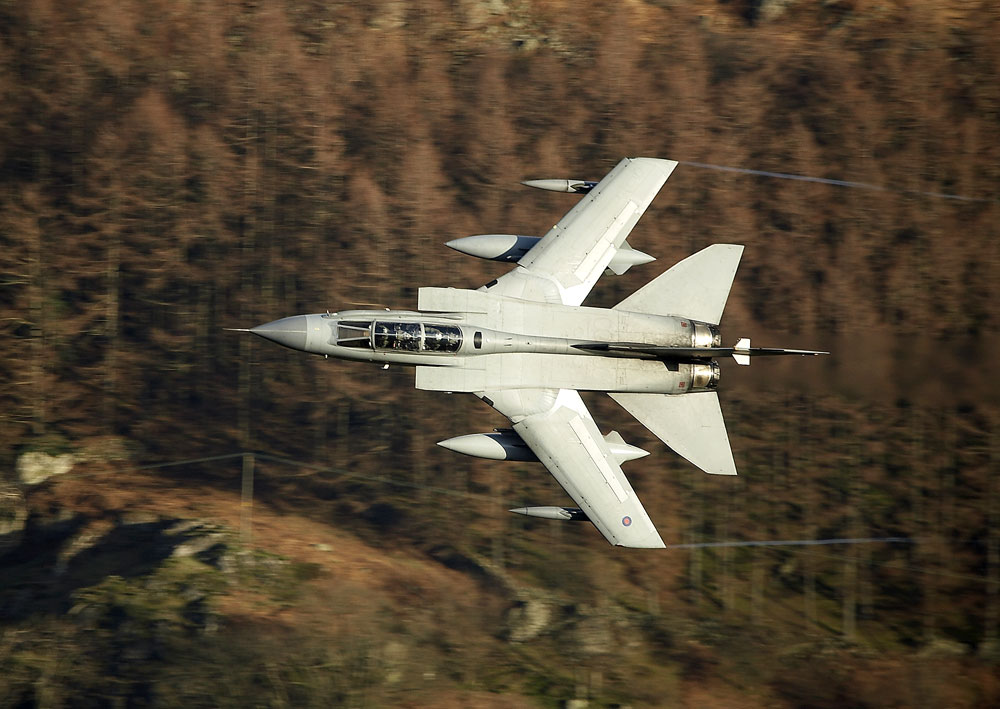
525,345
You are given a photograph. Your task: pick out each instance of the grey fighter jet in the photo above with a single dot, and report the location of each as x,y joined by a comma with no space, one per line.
524,344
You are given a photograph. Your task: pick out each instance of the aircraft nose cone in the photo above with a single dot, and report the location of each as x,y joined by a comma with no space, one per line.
290,332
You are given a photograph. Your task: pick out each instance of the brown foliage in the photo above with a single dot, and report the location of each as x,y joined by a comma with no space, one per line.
167,170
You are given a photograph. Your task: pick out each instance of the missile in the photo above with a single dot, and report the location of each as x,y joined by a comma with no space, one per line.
505,444
513,247
566,514
499,445
572,186
494,247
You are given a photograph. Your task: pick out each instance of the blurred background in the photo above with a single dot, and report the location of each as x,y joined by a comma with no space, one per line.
190,516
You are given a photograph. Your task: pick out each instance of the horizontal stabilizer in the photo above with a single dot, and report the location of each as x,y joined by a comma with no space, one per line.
696,287
691,424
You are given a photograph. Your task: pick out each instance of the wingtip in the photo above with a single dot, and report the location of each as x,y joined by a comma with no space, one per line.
648,543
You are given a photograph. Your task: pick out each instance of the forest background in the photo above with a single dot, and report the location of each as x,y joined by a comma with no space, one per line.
169,169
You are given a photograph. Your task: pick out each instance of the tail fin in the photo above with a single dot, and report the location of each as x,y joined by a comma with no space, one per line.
695,288
691,424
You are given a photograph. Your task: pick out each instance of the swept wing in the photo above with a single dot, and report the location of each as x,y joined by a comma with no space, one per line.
564,266
567,441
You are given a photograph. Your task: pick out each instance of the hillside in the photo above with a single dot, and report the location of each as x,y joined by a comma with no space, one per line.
169,170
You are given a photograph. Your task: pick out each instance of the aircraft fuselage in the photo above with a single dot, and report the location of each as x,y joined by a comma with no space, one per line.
509,347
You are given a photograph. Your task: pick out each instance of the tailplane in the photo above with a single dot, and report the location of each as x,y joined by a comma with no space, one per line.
691,424
695,288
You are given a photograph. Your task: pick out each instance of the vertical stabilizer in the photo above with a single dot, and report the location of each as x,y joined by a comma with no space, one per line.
691,424
695,288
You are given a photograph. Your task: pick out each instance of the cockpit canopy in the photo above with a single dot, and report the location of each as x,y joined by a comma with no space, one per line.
354,334
399,336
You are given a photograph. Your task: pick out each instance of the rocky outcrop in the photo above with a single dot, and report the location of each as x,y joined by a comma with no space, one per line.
36,467
530,616
206,541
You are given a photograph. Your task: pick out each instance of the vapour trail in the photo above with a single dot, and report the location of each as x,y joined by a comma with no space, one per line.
793,542
828,181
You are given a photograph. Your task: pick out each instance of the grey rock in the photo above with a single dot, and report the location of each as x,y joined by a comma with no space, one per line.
528,619
196,545
36,467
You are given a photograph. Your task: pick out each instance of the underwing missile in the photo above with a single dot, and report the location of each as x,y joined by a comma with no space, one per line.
505,444
571,186
494,247
566,514
499,445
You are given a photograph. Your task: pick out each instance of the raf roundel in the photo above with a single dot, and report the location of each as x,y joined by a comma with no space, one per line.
626,521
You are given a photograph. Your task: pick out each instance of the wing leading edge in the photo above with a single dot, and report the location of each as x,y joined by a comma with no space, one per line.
566,440
564,266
